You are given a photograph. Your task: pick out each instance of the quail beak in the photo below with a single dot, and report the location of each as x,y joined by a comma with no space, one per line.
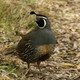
37,18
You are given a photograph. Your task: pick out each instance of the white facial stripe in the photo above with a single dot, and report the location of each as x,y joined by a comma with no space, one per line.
44,22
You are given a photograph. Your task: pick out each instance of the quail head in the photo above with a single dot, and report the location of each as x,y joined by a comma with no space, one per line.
37,45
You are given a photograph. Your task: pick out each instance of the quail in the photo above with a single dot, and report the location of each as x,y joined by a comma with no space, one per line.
38,44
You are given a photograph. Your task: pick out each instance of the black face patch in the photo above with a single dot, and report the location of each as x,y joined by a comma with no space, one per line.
40,22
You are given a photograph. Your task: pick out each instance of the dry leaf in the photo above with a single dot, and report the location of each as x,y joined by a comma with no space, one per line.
79,39
67,64
7,77
13,28
30,75
57,6
78,66
5,46
78,55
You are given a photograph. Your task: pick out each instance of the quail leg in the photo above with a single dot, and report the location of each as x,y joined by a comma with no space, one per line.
38,63
29,71
28,67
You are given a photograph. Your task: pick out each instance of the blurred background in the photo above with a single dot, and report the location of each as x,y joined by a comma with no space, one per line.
64,16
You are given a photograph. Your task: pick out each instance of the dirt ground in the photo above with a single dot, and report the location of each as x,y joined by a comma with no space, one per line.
64,64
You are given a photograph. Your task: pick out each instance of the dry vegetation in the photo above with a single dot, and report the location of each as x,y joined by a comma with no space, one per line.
65,21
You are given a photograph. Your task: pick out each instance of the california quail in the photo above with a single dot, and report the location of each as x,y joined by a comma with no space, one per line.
37,45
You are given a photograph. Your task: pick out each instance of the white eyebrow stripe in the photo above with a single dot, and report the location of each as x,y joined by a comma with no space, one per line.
44,23
43,17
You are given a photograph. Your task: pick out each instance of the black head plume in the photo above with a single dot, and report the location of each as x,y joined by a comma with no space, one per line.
32,12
